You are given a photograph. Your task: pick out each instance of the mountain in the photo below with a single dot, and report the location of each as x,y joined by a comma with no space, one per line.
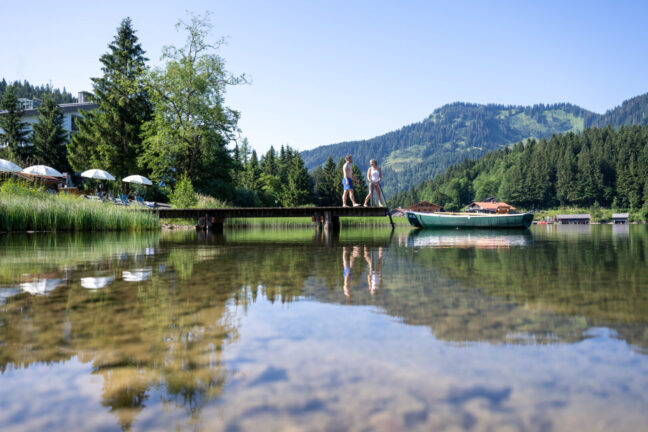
631,112
459,131
599,167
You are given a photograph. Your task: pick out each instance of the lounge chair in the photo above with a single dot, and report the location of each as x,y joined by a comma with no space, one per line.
124,199
101,197
114,200
141,201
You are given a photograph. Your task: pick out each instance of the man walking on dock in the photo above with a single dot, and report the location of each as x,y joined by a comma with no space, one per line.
347,182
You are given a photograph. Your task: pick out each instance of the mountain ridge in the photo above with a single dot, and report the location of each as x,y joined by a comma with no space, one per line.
461,130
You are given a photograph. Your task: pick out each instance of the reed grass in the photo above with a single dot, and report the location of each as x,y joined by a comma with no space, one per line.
28,209
308,222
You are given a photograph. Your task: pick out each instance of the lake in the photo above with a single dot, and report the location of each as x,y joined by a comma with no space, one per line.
537,330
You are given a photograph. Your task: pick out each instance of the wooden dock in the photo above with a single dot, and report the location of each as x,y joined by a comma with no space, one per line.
326,217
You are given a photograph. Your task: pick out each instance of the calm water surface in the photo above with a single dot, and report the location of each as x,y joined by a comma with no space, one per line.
279,330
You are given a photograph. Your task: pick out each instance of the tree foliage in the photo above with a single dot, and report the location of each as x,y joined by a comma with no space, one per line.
15,131
191,127
184,195
109,136
28,91
599,167
48,137
459,131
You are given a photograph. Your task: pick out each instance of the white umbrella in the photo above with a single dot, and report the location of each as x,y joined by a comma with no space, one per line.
137,179
42,170
97,174
8,166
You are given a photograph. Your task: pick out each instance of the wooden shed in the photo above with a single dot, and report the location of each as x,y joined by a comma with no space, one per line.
570,219
620,218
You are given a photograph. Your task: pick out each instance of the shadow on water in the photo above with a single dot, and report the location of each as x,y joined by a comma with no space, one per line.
157,311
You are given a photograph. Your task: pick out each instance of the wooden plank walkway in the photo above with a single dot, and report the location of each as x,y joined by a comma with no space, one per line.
256,212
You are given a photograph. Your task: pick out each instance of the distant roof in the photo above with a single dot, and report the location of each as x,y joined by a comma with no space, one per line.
68,107
492,205
427,203
620,215
573,216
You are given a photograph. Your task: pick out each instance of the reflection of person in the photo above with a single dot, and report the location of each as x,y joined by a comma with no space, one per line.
347,262
374,278
347,182
374,175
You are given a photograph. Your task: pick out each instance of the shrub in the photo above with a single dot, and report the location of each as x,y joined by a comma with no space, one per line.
183,195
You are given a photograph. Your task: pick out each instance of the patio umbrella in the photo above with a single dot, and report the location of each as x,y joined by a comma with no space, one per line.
97,174
138,179
42,170
8,166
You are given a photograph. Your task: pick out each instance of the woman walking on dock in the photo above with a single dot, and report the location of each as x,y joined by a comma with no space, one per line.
374,175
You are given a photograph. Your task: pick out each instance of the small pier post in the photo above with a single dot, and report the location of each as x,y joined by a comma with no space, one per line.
216,225
318,222
331,223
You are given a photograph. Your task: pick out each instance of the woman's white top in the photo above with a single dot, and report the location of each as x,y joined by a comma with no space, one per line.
374,174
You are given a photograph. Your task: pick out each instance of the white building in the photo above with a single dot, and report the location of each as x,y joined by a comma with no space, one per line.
71,111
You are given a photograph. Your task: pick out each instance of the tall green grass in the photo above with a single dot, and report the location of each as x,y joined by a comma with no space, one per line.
24,208
308,222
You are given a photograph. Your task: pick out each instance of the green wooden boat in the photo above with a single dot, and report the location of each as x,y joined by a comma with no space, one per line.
469,220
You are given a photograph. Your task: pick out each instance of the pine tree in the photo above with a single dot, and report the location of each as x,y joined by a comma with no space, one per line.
298,190
326,184
360,189
252,173
237,165
269,163
14,129
49,137
110,136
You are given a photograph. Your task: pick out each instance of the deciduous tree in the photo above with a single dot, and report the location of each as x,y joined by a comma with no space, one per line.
191,126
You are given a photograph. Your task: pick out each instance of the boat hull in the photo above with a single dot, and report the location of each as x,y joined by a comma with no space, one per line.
469,220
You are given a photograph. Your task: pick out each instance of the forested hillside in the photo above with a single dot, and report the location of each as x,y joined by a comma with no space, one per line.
458,131
26,90
605,167
631,112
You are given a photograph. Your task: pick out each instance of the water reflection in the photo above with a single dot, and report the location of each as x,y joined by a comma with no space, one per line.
621,231
374,262
166,342
94,283
137,275
469,238
40,286
349,255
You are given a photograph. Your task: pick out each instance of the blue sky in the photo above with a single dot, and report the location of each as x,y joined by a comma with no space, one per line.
330,71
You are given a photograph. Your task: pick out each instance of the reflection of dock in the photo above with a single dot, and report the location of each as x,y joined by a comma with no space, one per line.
288,238
479,239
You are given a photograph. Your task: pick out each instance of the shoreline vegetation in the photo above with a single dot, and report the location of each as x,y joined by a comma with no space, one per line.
27,208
